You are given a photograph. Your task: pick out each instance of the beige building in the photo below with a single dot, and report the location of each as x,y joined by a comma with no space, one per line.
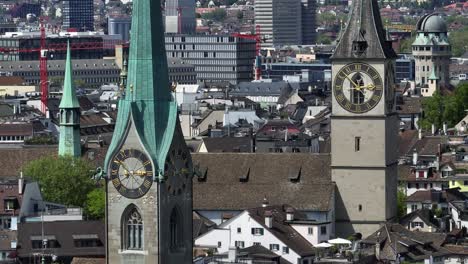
14,86
432,51
364,125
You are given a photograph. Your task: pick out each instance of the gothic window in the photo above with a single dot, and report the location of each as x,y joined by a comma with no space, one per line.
132,233
357,96
176,230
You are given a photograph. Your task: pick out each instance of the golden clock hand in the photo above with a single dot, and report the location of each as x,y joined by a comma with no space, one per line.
127,171
352,82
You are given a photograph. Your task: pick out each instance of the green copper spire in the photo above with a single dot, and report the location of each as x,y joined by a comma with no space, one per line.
69,141
148,106
433,75
69,99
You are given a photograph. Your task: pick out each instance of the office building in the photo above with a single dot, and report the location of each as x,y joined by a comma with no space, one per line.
217,58
308,21
280,21
404,68
120,26
78,15
180,16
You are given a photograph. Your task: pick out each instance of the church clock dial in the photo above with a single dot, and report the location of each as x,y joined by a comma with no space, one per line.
358,87
177,171
132,173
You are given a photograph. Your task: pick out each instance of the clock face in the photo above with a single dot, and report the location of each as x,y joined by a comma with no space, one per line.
132,173
358,88
177,171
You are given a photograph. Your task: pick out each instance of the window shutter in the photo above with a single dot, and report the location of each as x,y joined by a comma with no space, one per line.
253,231
261,231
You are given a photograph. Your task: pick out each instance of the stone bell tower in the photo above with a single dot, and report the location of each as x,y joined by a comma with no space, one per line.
364,125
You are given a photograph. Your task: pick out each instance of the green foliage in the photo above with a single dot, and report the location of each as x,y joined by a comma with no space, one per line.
197,15
323,39
66,180
218,14
459,40
405,45
433,111
401,203
41,140
96,204
438,212
240,15
326,18
451,109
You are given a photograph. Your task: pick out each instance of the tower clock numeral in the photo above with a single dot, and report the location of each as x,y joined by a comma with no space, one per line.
149,173
122,188
378,87
348,105
147,184
114,172
338,87
368,105
357,67
375,77
347,70
140,191
146,163
116,182
340,97
358,108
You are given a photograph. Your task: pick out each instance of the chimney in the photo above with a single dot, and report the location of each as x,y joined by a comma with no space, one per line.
265,202
420,135
20,183
289,214
232,254
445,128
415,157
268,219
433,129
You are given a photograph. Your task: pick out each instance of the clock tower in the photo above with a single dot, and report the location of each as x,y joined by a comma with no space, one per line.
364,125
148,167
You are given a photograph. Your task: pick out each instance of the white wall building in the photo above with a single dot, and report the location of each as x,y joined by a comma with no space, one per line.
282,229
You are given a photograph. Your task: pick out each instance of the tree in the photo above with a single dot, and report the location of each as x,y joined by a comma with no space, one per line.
326,18
405,44
401,203
459,40
323,39
218,14
433,111
240,15
96,204
65,180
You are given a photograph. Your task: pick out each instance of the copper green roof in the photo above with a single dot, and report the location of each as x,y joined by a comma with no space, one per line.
69,99
148,101
433,75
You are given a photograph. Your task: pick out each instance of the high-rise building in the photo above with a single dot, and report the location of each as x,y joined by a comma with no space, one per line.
78,15
120,26
180,16
280,21
148,165
217,58
69,142
431,50
308,21
364,125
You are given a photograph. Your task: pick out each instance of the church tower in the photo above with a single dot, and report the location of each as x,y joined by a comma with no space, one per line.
69,140
148,166
364,125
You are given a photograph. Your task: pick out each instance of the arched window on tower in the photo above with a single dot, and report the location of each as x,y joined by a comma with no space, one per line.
132,229
357,93
176,229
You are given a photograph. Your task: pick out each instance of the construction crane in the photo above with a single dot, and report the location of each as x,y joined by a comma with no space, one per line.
405,28
44,84
258,42
46,49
